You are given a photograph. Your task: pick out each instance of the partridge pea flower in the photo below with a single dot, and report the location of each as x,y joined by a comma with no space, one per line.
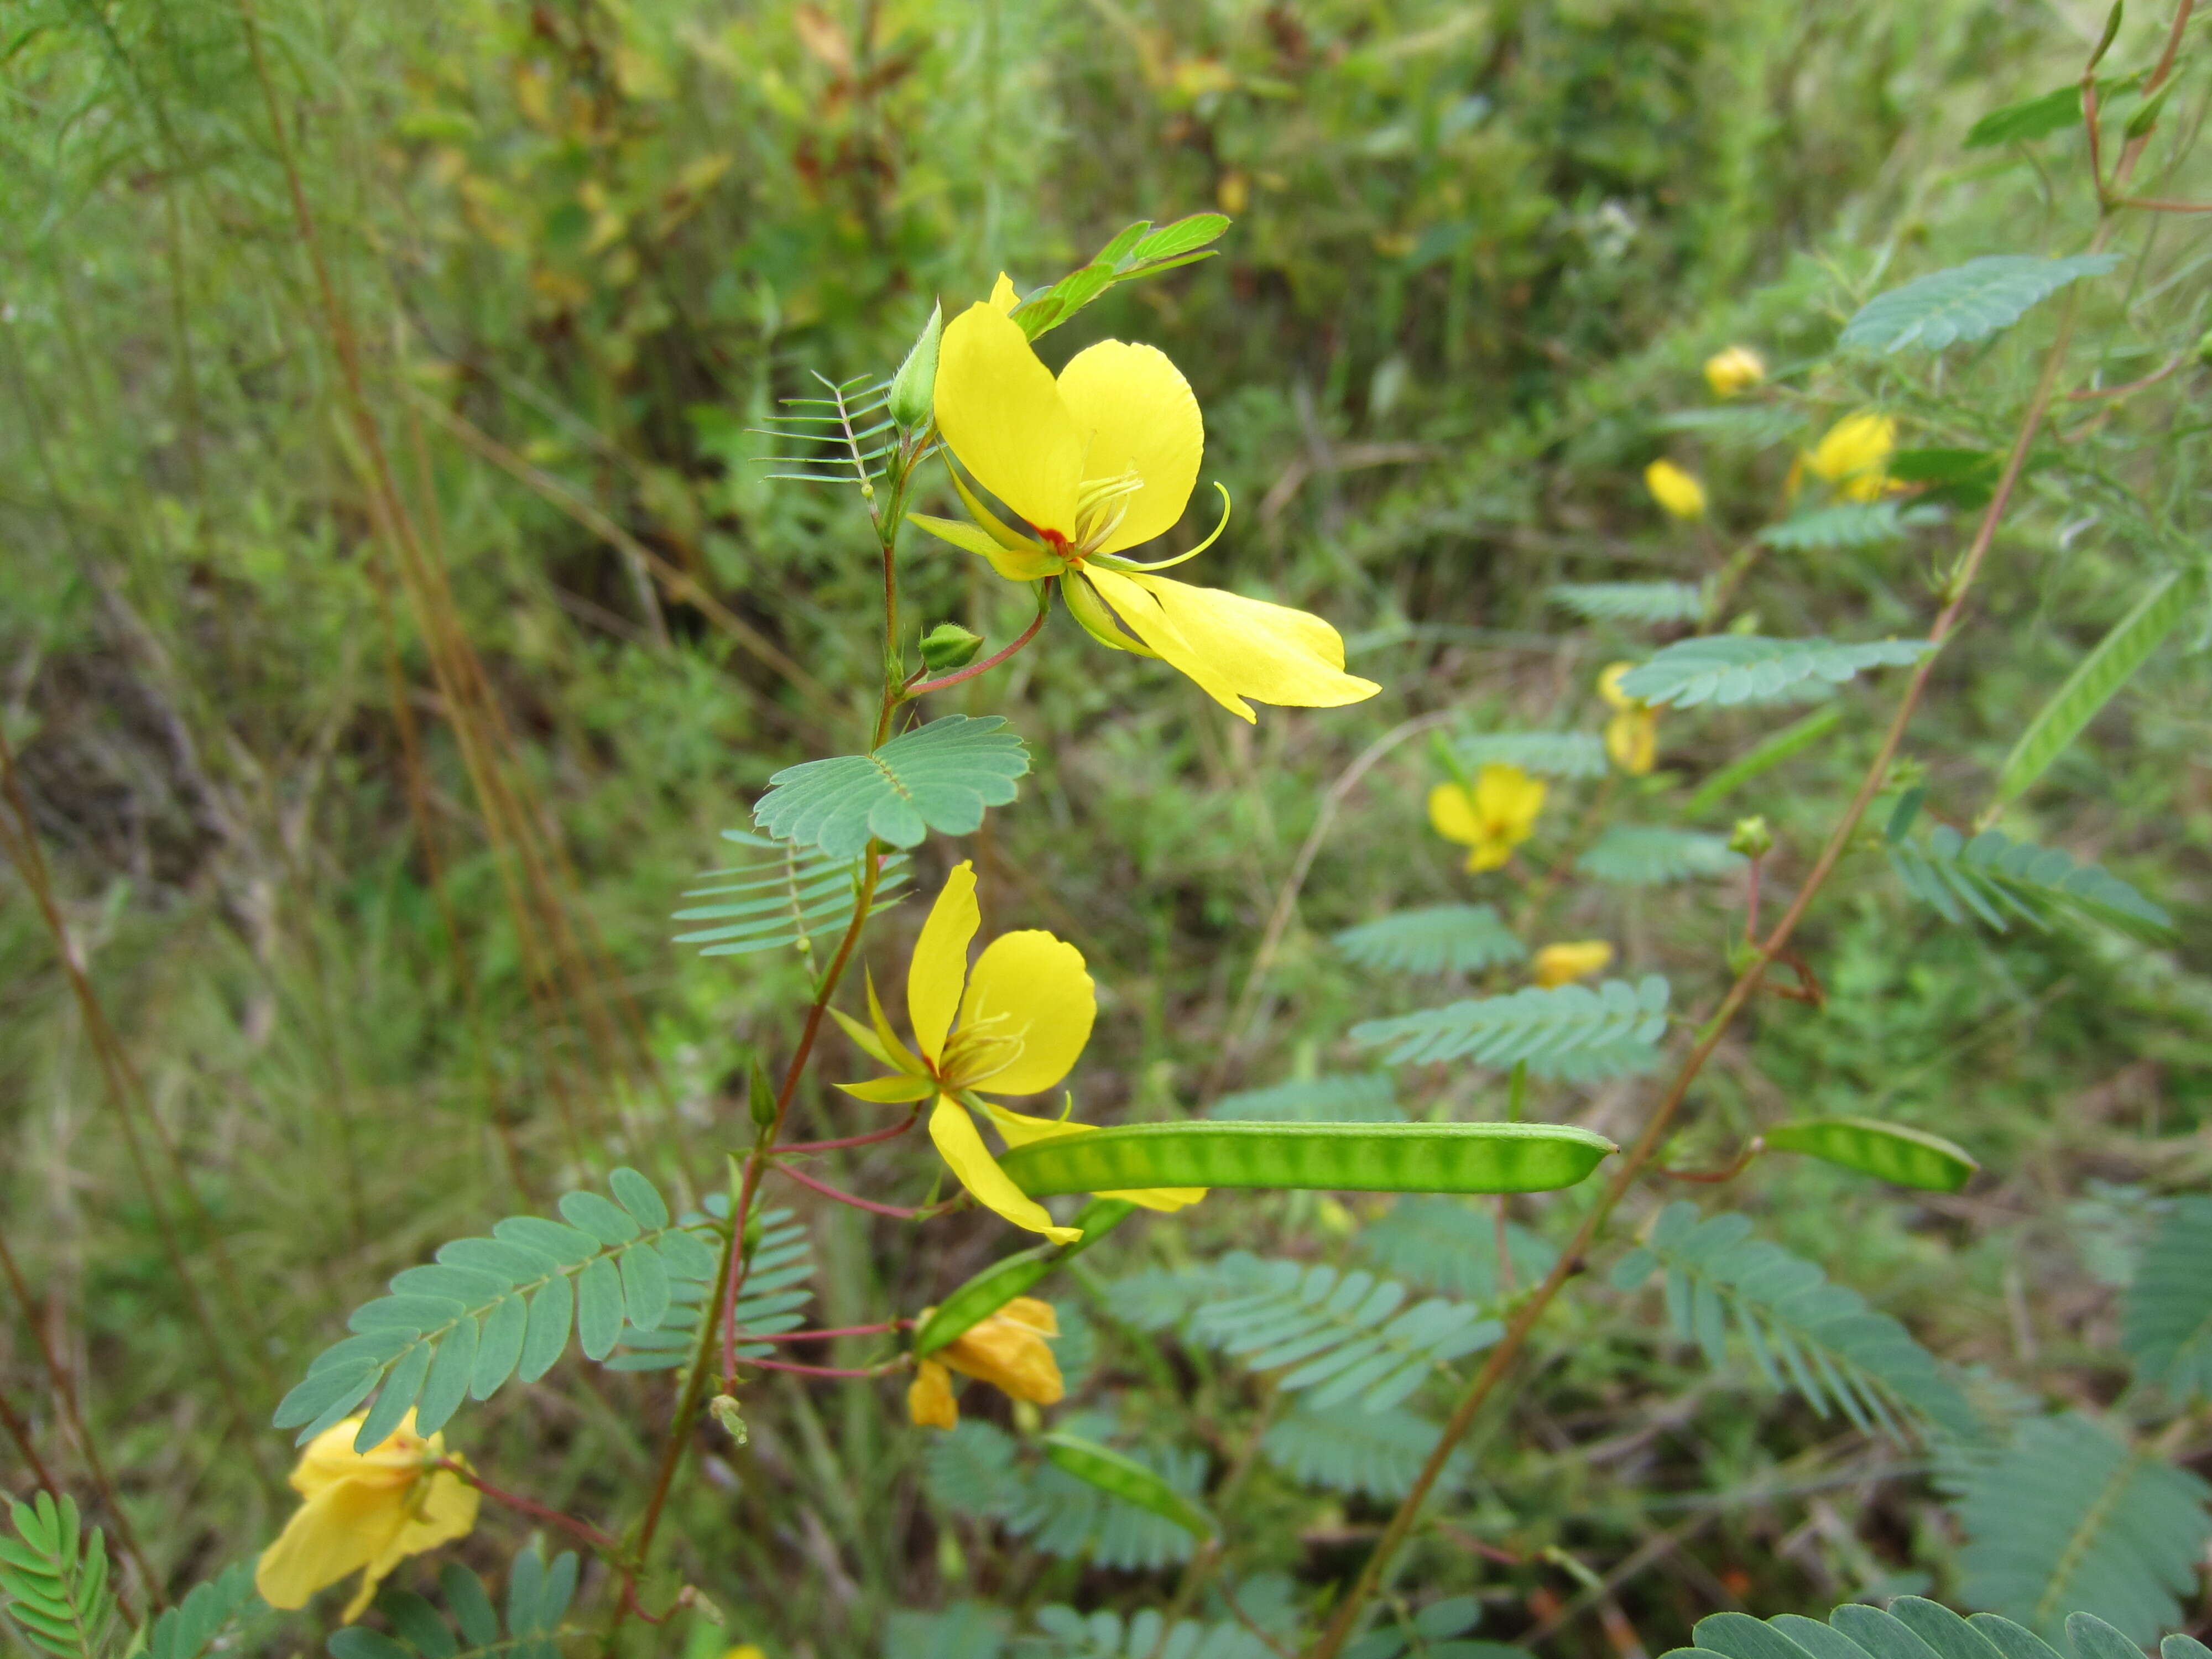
1632,736
1096,462
1565,964
1006,1350
1854,453
1736,369
365,1512
1490,818
1676,490
1024,1013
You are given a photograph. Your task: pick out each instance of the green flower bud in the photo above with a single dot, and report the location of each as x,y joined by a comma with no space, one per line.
760,1097
1751,838
914,388
724,1409
948,646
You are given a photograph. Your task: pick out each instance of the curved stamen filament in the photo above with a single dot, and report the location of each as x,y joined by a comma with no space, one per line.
1164,564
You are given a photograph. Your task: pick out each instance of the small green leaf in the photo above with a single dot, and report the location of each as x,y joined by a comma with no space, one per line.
941,777
1966,302
599,1218
546,1337
1726,669
2028,120
2094,681
447,1383
1373,1158
1841,525
645,1286
401,1387
1543,1026
1890,1151
1002,1281
1171,241
1763,757
1125,1478
640,1198
1651,603
499,1348
471,1608
598,1308
1440,938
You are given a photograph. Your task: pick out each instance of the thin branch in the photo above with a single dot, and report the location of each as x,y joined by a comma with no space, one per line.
568,1524
991,661
897,1212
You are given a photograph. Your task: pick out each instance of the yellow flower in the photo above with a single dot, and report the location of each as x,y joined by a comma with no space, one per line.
1563,964
1632,736
1852,455
1023,1022
1100,460
1006,1350
365,1512
748,1650
1493,818
1736,369
1676,490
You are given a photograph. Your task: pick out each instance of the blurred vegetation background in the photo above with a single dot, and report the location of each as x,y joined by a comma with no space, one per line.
366,832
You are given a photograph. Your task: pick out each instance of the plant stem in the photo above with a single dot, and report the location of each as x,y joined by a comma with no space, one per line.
991,661
897,1212
568,1524
1647,1145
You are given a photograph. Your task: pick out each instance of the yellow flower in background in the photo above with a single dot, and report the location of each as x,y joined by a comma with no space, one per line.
1676,490
1024,1012
1632,736
1563,964
1007,1350
1853,453
1100,460
1736,369
1493,817
365,1512
748,1650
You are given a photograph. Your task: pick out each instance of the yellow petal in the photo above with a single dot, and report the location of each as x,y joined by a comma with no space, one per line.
1020,1131
1678,492
1734,370
1009,1354
1135,411
1563,964
889,1090
1608,686
929,1401
1234,648
961,1144
1003,297
1491,853
1033,1312
1451,814
1031,987
338,1531
446,1510
1507,800
940,963
1631,738
1858,444
1002,416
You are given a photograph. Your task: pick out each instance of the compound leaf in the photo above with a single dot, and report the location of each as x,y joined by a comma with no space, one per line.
1744,668
2167,1326
1966,302
1547,1028
940,777
1437,938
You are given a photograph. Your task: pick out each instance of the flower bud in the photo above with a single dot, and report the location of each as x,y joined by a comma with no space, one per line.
1751,838
760,1099
948,646
914,388
724,1409
1736,369
1676,490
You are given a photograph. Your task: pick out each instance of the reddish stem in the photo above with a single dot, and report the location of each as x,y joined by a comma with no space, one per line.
988,664
854,1140
867,1204
808,1370
823,1336
583,1529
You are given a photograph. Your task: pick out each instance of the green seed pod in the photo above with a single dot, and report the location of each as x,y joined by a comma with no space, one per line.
1003,1281
1889,1151
948,646
1128,1479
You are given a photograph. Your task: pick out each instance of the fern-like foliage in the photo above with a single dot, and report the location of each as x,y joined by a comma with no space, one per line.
1966,302
1652,603
1998,880
1648,855
1067,1634
978,1470
1438,1630
2168,1330
965,1630
1333,1337
492,1309
1803,1332
1913,1627
1568,1031
1355,1097
1450,1246
1368,1454
782,898
2068,1516
841,438
53,1579
1743,668
1439,939
208,1615
1844,524
780,1263
1547,754
537,1597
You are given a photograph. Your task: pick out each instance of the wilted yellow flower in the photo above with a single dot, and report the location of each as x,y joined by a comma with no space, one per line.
365,1512
1676,490
1632,736
1853,453
1736,369
1563,964
1007,1349
1024,1019
1493,817
1100,460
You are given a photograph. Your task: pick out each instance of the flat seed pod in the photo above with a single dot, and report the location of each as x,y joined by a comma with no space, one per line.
1128,1479
1002,1281
1367,1157
1910,1157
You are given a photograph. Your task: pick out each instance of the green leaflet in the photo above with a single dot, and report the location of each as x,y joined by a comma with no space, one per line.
1845,523
189,1629
1966,302
1646,855
1375,1453
1436,939
1552,1028
1137,251
2029,119
1353,1097
1764,756
56,1582
940,777
537,1598
787,896
1912,1628
1547,754
1374,1157
2167,1327
1652,603
1002,1281
1727,669
2094,682
1995,877
1125,1478
1910,1157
